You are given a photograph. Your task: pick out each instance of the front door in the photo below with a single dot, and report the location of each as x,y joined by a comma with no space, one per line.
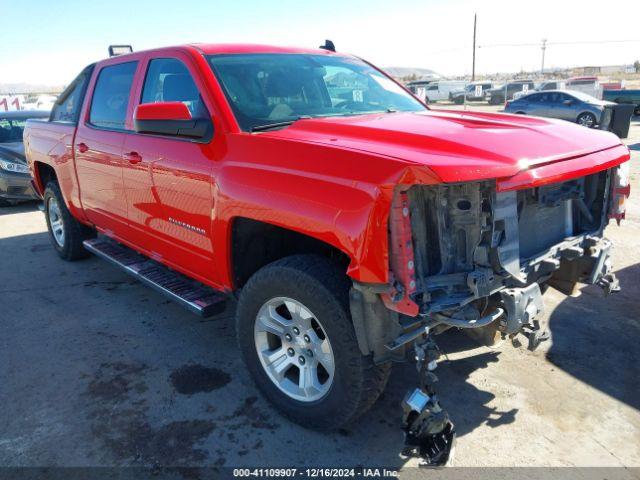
98,147
168,180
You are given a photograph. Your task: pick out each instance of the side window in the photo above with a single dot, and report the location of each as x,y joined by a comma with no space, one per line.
555,97
67,107
111,95
535,98
168,80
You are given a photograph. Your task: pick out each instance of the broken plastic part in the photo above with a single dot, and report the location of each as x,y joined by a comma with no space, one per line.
429,433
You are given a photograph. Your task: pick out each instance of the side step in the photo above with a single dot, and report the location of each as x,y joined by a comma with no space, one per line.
199,299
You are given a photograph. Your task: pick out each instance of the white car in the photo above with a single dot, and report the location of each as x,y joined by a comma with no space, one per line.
588,85
439,90
45,102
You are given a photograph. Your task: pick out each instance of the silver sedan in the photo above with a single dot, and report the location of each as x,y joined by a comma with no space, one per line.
564,104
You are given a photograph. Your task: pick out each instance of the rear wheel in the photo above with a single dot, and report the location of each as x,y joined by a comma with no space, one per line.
66,233
297,340
586,119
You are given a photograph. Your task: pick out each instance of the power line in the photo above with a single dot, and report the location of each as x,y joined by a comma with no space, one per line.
536,44
577,42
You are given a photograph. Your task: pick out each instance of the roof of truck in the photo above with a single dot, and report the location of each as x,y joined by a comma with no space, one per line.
222,48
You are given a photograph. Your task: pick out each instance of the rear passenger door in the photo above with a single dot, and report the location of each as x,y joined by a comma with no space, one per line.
168,180
98,147
545,106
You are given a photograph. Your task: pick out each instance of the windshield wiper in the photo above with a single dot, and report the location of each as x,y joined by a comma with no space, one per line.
269,126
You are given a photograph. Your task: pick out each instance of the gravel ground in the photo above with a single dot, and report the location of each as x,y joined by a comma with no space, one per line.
96,369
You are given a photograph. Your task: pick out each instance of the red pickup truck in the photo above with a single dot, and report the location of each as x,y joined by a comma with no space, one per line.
348,219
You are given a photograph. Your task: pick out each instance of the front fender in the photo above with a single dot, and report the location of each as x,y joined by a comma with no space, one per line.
334,200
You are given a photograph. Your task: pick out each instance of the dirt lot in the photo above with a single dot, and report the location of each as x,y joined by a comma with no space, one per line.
96,369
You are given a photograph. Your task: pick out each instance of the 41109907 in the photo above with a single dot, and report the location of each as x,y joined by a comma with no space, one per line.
360,472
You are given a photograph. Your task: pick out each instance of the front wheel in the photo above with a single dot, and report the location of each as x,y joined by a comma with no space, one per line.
297,339
67,234
586,119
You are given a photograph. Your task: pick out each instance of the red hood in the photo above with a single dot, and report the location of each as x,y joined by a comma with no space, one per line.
457,146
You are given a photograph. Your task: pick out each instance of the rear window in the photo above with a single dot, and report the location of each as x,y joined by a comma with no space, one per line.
67,107
583,82
111,96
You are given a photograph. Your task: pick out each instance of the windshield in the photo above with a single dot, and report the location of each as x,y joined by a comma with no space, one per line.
11,130
264,89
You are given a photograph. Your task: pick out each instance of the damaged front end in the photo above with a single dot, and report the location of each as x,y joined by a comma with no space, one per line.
471,256
474,251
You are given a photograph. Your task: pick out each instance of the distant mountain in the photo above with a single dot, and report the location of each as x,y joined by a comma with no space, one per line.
15,88
415,73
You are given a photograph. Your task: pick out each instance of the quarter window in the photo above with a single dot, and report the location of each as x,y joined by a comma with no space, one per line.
111,96
67,107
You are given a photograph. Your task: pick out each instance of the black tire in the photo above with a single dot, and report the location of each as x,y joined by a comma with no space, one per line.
587,119
458,101
74,232
321,287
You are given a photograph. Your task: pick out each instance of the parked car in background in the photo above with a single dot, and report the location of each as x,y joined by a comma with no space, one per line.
45,102
588,85
473,92
623,96
15,180
416,85
439,90
544,86
567,105
505,92
41,102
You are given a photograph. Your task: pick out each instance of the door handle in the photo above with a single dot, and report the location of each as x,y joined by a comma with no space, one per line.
133,157
83,147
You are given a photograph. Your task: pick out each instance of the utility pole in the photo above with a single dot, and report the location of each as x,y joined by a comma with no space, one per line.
544,47
473,66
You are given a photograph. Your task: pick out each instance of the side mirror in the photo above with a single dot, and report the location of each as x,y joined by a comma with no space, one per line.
170,118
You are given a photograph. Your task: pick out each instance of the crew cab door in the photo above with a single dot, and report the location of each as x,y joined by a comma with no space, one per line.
168,179
98,147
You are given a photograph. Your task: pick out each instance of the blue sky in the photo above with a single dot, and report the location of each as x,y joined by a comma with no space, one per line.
50,41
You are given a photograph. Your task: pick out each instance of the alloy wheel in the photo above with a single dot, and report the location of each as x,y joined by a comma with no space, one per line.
294,349
55,221
586,120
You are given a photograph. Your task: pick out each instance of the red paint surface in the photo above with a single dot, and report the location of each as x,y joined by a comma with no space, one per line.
162,111
331,178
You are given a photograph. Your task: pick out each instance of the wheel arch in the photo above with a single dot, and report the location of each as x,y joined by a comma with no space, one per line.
256,243
43,173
